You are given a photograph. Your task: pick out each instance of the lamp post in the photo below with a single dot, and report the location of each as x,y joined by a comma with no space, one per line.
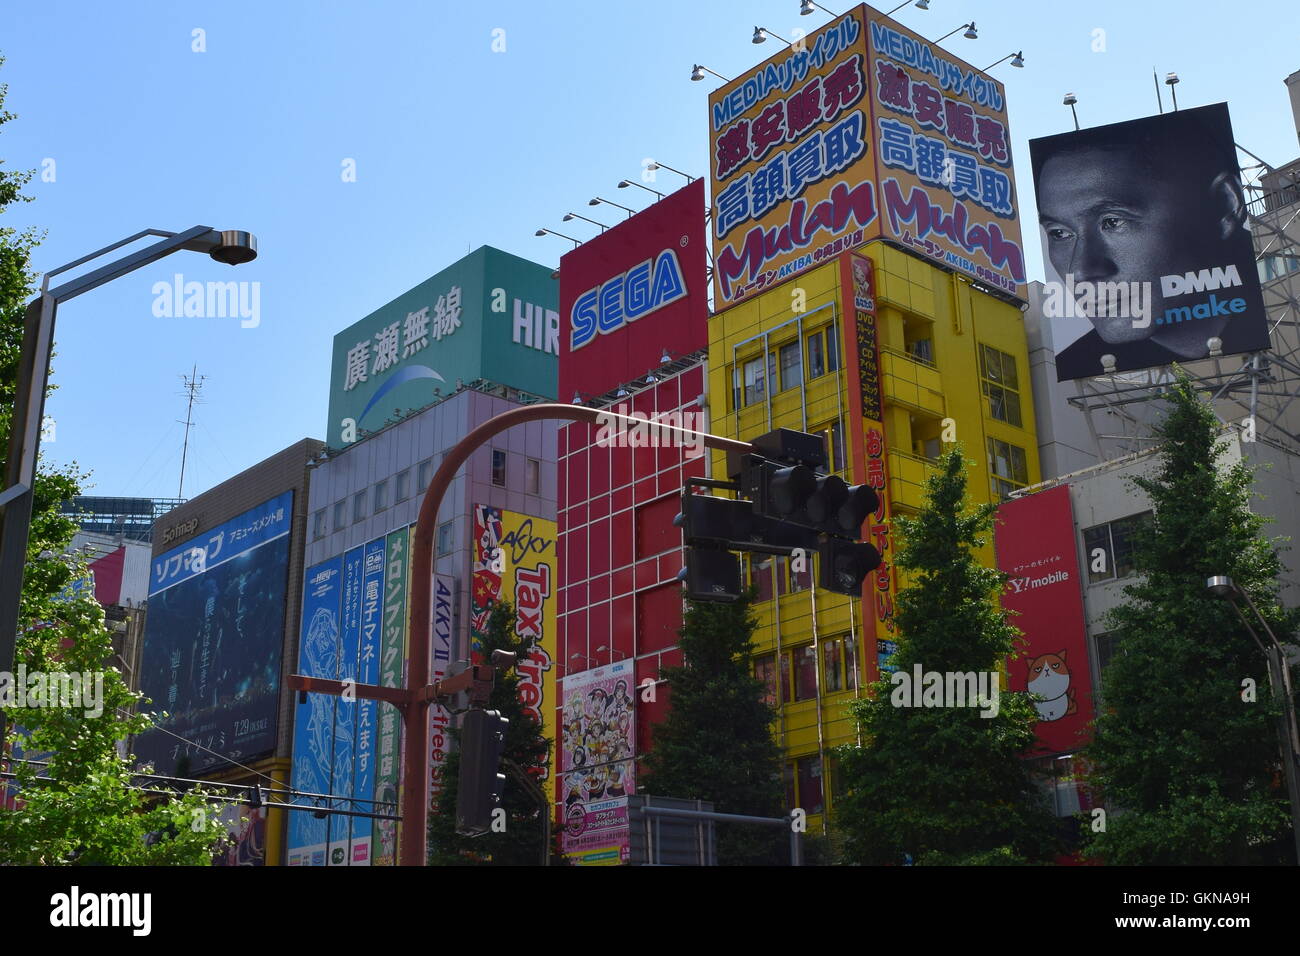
551,232
597,201
232,247
1279,679
570,216
1017,60
970,33
624,183
698,71
655,164
1069,100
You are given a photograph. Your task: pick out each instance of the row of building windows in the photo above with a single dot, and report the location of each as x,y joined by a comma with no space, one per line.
1108,548
377,495
815,356
791,676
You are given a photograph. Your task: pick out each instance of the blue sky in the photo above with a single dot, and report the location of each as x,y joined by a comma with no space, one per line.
455,146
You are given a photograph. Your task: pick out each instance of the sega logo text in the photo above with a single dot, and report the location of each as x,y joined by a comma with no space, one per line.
643,289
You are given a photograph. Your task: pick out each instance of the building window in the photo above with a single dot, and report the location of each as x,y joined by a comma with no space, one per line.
833,665
998,381
765,671
791,365
760,578
532,476
832,350
402,485
1008,468
800,580
816,357
837,451
446,535
423,475
799,673
318,525
756,382
922,350
358,506
808,780
381,496
340,514
498,468
1108,548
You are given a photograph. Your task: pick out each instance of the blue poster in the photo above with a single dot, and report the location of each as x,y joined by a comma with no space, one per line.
313,744
372,615
345,712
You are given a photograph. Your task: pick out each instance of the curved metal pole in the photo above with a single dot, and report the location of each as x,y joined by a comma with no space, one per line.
415,807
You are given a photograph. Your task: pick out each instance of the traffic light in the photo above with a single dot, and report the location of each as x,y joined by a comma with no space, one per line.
797,494
709,526
479,789
712,574
842,565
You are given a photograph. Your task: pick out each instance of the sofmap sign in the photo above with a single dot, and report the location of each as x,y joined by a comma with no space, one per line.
490,316
860,131
633,292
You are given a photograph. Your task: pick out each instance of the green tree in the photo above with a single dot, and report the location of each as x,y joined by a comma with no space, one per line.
526,750
80,805
716,743
1188,768
946,784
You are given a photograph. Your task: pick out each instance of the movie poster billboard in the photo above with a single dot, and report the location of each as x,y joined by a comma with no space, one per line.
392,660
633,292
1145,243
314,727
1035,544
514,559
869,449
213,641
862,130
597,766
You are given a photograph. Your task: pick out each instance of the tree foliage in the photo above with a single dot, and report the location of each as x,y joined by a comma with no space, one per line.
716,743
79,804
944,784
1188,769
526,747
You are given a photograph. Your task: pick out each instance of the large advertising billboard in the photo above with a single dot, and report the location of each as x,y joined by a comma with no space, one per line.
1035,545
1146,245
489,316
213,641
862,130
597,766
514,559
633,292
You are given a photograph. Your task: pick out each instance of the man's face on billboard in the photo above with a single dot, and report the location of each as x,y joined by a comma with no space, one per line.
1108,220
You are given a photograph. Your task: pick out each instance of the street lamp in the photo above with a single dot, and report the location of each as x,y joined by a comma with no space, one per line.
548,232
657,165
1017,60
1279,679
762,33
1070,100
1172,80
697,73
970,33
570,216
232,246
624,183
597,201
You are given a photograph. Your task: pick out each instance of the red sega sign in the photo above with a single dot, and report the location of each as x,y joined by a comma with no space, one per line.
632,292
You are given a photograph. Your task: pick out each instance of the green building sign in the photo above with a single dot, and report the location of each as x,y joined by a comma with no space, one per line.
490,316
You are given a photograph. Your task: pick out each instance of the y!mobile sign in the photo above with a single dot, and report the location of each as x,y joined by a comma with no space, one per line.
861,131
632,292
1034,539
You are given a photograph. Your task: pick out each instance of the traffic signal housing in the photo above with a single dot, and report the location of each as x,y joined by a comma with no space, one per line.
843,565
481,783
709,526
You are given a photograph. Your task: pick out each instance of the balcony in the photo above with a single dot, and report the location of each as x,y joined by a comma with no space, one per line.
911,382
907,474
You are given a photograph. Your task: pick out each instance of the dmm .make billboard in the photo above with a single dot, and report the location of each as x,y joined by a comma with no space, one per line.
1144,235
862,130
489,316
1035,545
514,560
213,642
632,292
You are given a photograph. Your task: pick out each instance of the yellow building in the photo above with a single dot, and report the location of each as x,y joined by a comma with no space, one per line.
950,363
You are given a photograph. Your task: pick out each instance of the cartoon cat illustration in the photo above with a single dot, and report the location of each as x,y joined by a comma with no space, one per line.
1049,677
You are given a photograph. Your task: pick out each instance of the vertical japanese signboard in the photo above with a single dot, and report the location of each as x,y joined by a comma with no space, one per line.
514,560
363,775
867,441
444,594
597,769
314,729
392,657
1035,545
213,642
862,130
345,713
